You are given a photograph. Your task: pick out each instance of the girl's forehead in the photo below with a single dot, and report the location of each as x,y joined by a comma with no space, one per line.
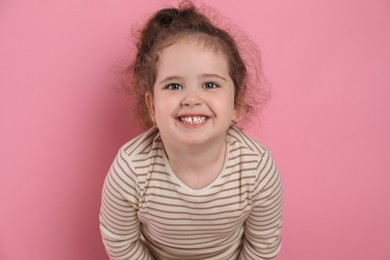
188,52
191,55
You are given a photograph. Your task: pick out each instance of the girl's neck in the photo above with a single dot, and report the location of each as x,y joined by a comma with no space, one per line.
197,166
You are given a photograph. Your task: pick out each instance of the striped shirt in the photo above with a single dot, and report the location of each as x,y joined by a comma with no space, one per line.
148,213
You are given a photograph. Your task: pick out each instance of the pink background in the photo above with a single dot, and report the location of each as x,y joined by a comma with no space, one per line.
328,124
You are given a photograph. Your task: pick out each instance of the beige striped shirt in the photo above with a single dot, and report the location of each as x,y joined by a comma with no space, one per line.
148,213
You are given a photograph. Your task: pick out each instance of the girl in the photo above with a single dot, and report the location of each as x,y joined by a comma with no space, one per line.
193,186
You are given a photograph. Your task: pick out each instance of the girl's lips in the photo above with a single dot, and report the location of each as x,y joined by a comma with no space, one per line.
193,120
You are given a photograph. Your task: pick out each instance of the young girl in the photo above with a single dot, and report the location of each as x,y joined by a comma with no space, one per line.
193,186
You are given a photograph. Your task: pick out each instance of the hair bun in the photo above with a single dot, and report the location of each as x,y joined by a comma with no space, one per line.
166,17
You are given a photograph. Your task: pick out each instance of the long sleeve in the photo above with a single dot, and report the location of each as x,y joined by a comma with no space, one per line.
119,224
262,239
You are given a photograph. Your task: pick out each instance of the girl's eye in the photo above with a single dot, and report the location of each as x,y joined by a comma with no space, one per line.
174,86
210,85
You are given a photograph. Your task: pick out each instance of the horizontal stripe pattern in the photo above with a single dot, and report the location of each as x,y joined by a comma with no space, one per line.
146,213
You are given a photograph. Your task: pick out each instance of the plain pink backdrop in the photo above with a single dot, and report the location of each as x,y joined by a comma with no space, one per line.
328,124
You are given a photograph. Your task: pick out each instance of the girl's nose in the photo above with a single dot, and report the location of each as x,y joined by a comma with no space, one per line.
191,98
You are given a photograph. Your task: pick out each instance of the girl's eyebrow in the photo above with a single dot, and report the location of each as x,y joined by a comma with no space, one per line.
170,78
178,78
212,75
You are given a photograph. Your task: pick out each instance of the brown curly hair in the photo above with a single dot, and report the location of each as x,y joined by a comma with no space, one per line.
163,29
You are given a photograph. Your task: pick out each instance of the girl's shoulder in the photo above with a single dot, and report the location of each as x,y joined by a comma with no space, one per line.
239,140
141,144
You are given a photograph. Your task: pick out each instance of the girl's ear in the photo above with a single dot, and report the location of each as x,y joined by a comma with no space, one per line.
235,116
149,104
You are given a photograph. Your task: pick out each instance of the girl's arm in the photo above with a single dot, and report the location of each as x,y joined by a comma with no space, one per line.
119,224
262,239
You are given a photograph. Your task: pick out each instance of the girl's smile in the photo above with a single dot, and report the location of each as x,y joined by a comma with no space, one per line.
193,120
193,96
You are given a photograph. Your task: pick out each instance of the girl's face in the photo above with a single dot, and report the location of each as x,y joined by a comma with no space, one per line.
193,100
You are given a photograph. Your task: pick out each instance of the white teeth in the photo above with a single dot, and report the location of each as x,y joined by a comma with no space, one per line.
193,120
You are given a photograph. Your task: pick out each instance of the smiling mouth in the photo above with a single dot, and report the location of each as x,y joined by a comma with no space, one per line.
193,119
